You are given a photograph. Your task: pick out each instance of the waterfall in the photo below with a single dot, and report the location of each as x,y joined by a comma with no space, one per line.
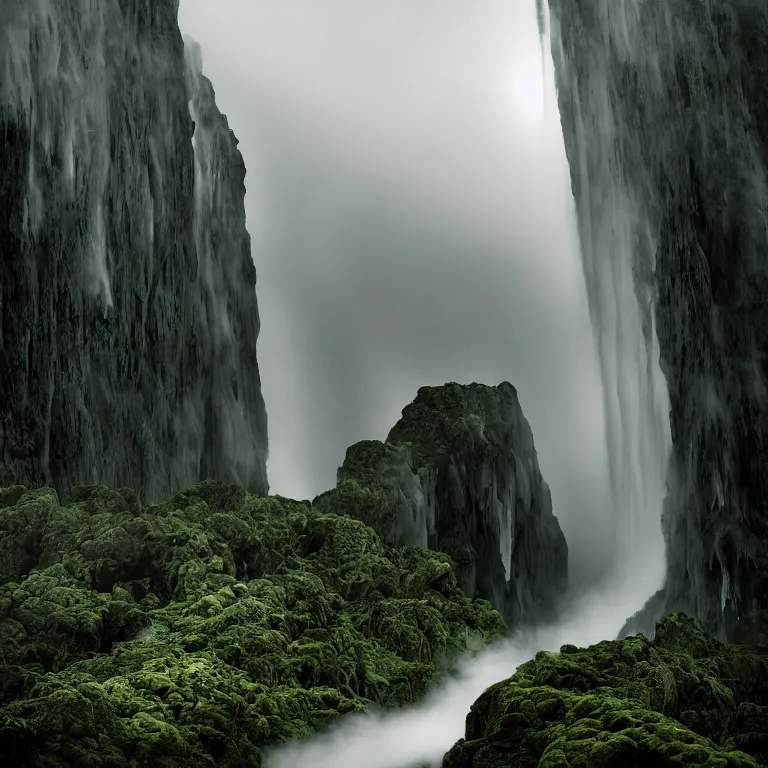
618,257
663,111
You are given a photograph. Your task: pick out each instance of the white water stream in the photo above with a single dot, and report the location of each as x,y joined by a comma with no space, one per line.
420,735
635,402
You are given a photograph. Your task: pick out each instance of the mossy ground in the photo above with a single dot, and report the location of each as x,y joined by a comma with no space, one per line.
197,631
683,699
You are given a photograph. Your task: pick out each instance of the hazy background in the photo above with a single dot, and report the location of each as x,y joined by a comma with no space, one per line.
411,220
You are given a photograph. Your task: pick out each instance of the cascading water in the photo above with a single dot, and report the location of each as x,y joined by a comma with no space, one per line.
618,255
664,112
67,118
615,245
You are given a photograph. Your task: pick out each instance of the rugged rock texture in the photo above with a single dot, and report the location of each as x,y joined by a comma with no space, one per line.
128,315
683,699
459,474
664,106
197,631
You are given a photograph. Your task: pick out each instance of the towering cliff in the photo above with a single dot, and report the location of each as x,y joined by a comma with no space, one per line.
128,314
664,106
459,474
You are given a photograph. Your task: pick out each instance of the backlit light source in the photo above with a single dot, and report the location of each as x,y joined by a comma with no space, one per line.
528,91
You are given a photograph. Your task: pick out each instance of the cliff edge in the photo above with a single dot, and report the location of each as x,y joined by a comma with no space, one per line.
128,313
664,107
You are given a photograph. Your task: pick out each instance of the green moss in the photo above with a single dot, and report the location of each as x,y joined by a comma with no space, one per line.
683,699
197,631
369,503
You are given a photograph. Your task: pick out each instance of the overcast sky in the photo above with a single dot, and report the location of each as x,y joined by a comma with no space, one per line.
411,221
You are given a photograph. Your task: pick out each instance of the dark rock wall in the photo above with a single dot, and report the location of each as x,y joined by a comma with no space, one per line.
667,102
128,314
459,474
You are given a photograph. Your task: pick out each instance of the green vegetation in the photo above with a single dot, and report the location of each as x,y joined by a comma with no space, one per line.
683,699
197,631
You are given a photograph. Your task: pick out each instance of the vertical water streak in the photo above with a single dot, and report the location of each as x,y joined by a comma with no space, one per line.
111,376
664,107
54,79
618,253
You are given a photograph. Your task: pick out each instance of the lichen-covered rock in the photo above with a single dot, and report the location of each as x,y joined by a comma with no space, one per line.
196,631
459,474
681,699
664,108
128,314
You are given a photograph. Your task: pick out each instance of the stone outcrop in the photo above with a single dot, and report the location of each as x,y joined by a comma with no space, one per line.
683,699
664,107
459,474
128,314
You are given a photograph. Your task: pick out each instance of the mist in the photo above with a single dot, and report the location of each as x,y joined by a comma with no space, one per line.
412,223
420,735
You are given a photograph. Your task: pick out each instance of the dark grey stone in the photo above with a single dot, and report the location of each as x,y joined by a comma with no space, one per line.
128,313
459,474
666,101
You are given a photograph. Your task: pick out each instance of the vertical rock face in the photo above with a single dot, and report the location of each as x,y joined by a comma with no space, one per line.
459,474
664,106
128,314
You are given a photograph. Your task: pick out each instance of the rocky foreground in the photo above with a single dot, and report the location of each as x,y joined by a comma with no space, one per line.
681,699
200,630
197,631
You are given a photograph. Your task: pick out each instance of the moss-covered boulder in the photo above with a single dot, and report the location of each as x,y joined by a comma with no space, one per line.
459,474
196,631
681,699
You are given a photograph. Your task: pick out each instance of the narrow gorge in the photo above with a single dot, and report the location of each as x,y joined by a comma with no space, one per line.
159,608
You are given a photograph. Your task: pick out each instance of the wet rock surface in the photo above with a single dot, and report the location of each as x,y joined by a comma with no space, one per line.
459,474
664,107
128,314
